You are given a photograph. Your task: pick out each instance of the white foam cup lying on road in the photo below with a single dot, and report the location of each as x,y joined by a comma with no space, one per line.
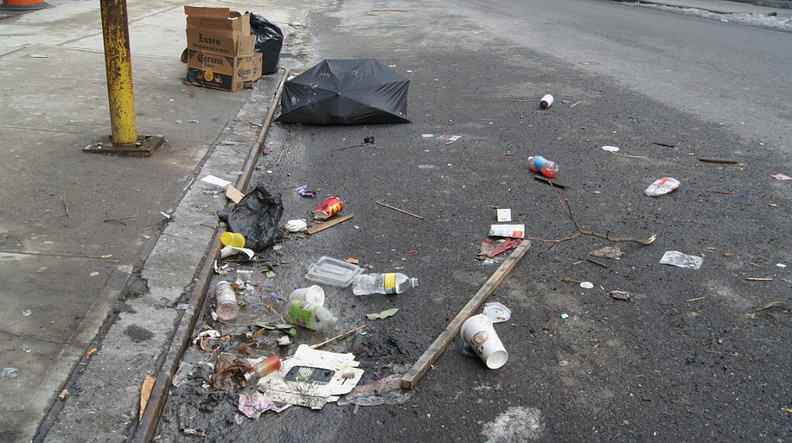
478,332
312,294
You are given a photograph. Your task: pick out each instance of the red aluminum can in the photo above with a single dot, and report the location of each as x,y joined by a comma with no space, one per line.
330,207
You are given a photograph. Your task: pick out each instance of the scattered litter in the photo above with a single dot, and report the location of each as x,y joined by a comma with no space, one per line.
497,312
296,225
145,394
621,295
719,160
546,101
608,252
478,332
680,260
449,138
256,216
253,405
565,316
91,352
230,370
27,313
328,208
192,121
211,179
782,177
399,210
604,265
312,378
303,191
229,251
490,249
513,230
666,145
354,261
503,215
768,310
345,92
610,148
549,182
383,391
335,221
586,285
333,272
781,265
38,56
207,334
542,165
64,395
759,278
234,194
383,315
284,340
9,373
427,135
662,186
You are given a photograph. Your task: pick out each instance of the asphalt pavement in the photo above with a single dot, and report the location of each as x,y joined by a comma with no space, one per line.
83,232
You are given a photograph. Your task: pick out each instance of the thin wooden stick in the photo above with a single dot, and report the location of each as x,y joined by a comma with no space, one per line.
65,205
328,224
319,345
399,210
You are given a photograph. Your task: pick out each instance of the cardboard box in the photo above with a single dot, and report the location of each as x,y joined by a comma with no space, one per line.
229,73
220,42
221,19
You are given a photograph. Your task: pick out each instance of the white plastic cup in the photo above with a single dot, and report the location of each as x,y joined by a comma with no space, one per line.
312,294
478,332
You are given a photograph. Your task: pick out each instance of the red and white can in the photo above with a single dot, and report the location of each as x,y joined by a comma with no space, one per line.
330,207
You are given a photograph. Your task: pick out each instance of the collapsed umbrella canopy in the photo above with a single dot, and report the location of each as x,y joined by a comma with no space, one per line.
345,92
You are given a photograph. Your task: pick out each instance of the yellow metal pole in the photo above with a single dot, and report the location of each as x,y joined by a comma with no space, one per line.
118,64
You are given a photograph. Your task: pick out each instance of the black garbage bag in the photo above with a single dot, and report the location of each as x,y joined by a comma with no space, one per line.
345,92
269,40
257,217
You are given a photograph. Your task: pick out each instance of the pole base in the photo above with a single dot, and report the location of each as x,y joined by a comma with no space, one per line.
25,7
144,147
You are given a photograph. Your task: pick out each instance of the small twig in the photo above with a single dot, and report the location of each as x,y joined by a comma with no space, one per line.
328,224
549,182
628,155
663,144
580,231
319,345
759,278
399,210
719,160
723,192
65,206
604,265
691,300
118,220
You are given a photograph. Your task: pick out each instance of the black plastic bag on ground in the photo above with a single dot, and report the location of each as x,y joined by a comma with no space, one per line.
257,217
269,40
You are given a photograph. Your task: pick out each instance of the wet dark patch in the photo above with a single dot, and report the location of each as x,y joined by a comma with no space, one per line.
138,334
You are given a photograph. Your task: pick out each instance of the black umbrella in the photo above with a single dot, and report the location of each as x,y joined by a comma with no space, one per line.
345,92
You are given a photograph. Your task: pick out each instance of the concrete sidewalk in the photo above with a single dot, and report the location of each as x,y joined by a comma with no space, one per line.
95,250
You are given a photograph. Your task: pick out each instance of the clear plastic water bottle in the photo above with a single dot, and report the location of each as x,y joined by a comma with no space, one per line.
388,283
226,305
311,316
544,166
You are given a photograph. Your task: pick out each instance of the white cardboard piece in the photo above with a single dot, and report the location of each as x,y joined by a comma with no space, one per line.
312,394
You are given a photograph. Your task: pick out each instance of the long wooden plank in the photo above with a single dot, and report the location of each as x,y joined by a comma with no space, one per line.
411,378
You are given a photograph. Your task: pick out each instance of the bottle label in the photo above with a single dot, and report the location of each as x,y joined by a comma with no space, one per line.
300,313
390,283
538,163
